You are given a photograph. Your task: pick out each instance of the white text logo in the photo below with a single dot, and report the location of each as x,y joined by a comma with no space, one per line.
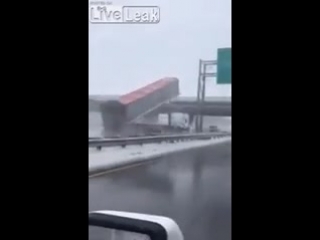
99,13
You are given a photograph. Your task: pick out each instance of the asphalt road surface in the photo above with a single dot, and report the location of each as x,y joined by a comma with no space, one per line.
193,188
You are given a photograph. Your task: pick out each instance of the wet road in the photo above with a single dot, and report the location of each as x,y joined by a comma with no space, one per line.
193,188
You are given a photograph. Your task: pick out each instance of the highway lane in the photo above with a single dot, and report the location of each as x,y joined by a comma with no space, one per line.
193,188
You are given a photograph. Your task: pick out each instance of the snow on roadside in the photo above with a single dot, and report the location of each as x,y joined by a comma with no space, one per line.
112,157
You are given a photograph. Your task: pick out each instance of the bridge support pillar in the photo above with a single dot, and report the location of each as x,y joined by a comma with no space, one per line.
170,119
191,119
113,121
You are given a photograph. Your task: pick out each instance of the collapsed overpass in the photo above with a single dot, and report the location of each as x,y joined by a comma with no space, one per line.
117,115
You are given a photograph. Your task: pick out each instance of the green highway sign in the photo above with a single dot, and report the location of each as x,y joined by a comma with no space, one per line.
224,66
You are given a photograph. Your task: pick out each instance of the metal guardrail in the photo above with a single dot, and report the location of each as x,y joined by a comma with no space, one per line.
99,143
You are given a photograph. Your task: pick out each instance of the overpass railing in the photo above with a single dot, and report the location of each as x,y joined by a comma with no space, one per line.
100,143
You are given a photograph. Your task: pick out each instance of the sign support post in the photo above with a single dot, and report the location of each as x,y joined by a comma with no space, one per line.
223,75
201,91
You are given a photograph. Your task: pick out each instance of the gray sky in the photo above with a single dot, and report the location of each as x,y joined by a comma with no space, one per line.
125,57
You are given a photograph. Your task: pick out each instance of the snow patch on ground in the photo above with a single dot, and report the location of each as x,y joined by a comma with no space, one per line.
113,157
